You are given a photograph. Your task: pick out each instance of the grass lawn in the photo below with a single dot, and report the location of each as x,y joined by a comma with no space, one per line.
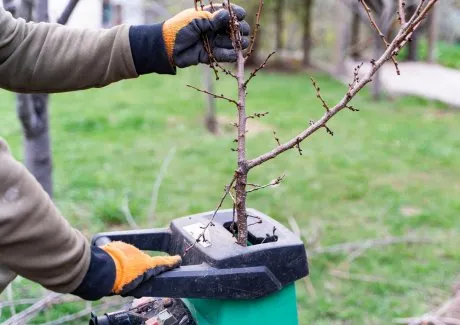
390,170
447,54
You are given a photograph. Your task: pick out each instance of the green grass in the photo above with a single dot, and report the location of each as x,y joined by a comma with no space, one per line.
447,54
391,169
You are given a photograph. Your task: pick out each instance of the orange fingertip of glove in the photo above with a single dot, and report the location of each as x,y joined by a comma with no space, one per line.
130,263
172,26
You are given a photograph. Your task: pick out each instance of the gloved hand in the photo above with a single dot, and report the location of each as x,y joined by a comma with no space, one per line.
134,266
183,35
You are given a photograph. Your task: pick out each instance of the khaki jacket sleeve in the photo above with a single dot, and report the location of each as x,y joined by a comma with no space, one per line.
36,241
49,58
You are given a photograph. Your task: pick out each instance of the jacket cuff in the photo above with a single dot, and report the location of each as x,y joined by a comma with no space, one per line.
100,278
149,50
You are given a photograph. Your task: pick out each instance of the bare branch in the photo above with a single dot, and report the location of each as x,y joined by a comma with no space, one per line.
355,77
402,12
395,45
275,182
158,181
256,29
127,213
257,115
254,73
210,223
276,138
214,95
376,27
318,94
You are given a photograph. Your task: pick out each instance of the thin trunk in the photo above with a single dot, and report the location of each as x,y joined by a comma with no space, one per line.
342,32
242,172
211,116
307,37
279,22
412,47
355,35
32,111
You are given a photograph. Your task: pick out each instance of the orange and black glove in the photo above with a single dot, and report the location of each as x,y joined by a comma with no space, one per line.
183,35
178,42
119,268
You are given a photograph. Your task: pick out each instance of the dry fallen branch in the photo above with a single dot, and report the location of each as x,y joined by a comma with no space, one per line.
158,181
447,314
24,316
127,213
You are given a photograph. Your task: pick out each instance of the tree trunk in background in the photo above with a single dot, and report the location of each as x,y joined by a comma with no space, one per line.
211,116
64,18
32,111
433,34
307,32
342,16
355,29
279,22
412,47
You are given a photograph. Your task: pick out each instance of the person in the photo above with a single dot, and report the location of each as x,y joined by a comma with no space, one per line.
36,241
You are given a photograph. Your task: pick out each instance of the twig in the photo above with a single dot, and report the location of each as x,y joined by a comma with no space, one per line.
257,115
276,138
225,70
359,277
9,303
72,317
256,29
376,27
9,293
254,73
352,85
227,191
294,226
127,213
158,181
401,12
215,95
428,319
318,94
275,182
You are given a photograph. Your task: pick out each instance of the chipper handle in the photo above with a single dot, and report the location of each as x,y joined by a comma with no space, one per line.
194,281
